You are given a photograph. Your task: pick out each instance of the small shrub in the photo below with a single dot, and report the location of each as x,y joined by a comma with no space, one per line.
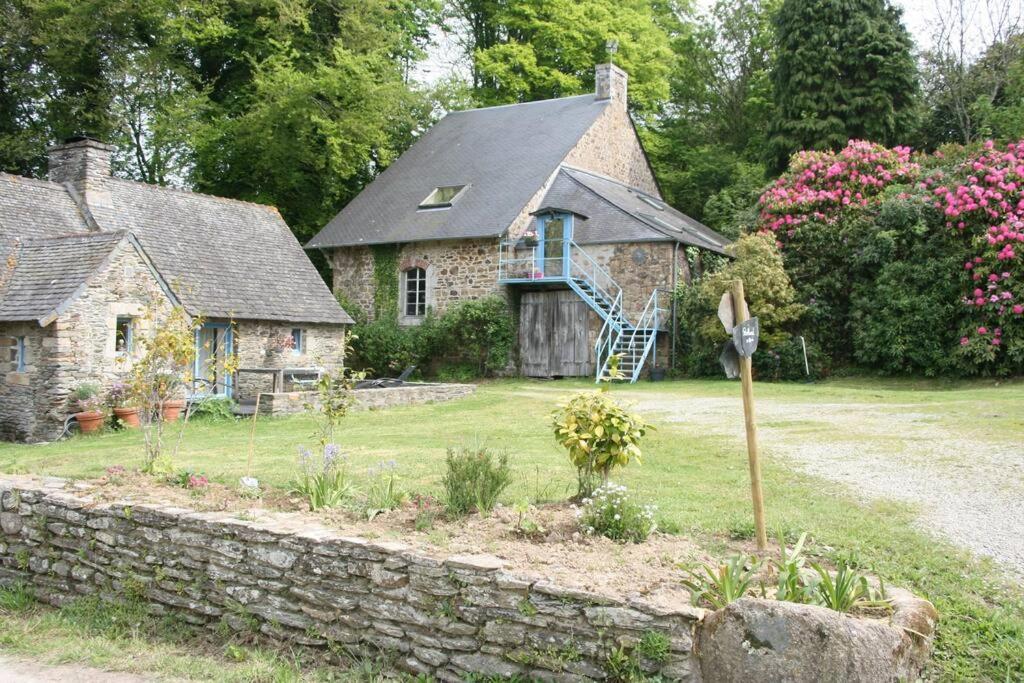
613,514
323,479
718,586
474,479
189,479
525,525
599,435
427,510
384,493
214,408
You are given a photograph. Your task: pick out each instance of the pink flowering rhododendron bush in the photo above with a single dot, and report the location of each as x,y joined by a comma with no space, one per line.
907,262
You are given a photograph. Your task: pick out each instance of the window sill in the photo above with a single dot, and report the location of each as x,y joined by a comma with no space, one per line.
411,320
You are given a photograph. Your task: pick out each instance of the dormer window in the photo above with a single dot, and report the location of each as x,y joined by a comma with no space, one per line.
442,197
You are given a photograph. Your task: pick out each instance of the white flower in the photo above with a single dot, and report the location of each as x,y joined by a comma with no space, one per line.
618,517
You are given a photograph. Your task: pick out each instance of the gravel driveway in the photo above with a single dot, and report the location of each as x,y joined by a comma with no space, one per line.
966,488
14,670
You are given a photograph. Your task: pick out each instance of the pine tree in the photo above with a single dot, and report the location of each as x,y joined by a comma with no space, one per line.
843,70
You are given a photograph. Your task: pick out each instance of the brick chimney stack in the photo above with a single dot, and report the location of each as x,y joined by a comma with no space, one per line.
611,83
83,163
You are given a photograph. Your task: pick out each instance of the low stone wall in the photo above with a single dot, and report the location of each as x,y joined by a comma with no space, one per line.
310,585
287,403
447,617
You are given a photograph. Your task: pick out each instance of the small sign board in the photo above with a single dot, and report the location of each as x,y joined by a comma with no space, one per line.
730,360
745,337
725,312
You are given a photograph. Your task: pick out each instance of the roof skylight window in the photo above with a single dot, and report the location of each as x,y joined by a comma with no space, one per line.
442,197
651,201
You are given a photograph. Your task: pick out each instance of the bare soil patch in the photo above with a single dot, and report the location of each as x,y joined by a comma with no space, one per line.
558,551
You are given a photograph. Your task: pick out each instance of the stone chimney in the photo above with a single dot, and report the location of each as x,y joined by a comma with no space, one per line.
84,164
611,83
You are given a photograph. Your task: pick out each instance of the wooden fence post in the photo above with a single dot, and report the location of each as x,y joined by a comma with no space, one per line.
747,380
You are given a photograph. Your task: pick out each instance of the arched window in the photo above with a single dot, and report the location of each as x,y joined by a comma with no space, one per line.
414,302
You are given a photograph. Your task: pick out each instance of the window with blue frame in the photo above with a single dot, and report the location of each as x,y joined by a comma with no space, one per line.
298,341
123,335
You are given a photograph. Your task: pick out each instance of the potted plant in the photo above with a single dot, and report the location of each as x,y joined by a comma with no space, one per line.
530,238
121,399
90,414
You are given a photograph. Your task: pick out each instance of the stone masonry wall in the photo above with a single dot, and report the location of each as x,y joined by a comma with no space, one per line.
77,348
255,343
369,399
611,148
23,395
311,586
457,270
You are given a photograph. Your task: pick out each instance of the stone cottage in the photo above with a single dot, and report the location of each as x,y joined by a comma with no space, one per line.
554,205
83,256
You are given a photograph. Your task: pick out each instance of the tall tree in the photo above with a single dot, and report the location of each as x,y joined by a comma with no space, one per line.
976,47
524,50
713,133
843,70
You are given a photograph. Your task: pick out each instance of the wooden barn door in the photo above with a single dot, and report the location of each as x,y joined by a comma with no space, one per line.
553,339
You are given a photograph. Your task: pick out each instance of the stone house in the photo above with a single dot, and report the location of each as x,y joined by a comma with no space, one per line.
552,204
84,256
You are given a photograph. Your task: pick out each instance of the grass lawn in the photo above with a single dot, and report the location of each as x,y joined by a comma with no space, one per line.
699,483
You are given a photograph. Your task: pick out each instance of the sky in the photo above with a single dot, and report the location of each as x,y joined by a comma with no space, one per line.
919,16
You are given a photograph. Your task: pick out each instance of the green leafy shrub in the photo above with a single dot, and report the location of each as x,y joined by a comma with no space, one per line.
725,583
790,585
471,339
474,478
213,408
323,479
770,296
480,333
613,513
599,435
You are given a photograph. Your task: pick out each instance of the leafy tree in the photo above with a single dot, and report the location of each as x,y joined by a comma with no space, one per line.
719,108
843,71
525,50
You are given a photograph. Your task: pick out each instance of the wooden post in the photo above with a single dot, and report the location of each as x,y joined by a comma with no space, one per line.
747,380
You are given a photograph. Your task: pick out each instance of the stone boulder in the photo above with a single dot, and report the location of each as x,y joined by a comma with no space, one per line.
769,640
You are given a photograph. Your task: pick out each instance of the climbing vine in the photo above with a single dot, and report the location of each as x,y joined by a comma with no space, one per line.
385,281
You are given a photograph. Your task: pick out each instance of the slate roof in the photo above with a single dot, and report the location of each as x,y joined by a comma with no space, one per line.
222,258
51,271
504,154
616,212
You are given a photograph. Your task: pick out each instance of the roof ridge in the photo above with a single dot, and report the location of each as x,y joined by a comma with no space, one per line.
40,182
632,188
181,190
523,104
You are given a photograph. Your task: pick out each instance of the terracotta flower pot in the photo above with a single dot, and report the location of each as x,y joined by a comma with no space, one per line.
172,410
129,417
89,421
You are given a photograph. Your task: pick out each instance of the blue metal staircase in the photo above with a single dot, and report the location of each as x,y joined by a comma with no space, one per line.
619,337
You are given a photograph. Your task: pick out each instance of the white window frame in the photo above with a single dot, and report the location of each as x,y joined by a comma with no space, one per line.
403,302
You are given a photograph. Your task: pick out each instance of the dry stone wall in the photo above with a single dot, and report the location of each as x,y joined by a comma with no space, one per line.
369,399
311,586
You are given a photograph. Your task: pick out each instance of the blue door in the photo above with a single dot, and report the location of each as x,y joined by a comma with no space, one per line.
214,345
555,233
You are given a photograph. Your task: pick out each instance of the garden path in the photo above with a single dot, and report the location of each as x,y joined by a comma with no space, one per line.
25,671
966,484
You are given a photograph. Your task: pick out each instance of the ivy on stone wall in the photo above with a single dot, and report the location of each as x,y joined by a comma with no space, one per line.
385,281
